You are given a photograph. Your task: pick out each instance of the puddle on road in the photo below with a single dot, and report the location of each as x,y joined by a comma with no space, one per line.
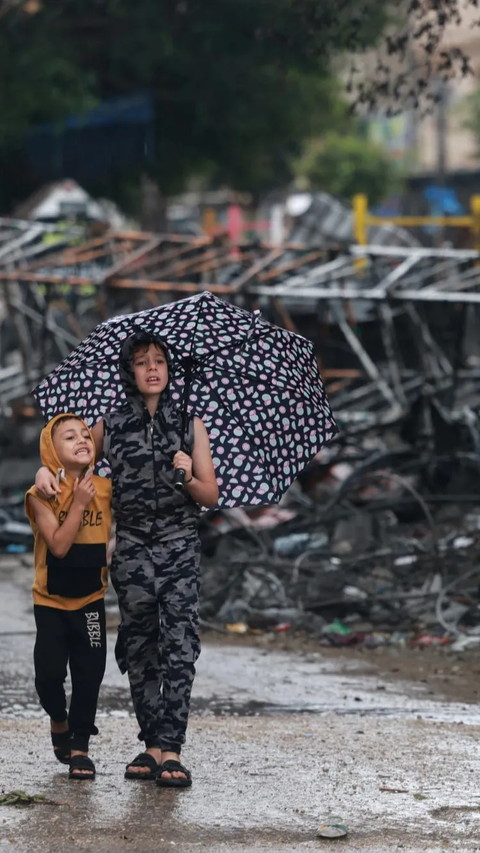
247,682
19,701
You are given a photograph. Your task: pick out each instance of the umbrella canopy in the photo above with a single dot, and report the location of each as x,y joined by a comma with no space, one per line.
256,387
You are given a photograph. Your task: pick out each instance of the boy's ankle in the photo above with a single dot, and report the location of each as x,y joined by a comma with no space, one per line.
80,744
58,728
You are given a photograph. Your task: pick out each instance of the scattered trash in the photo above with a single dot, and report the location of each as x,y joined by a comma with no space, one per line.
298,543
464,643
238,628
332,827
385,790
352,569
406,560
429,640
20,798
16,549
463,542
337,628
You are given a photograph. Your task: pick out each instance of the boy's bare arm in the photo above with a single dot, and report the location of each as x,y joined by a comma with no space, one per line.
46,483
60,537
203,485
97,432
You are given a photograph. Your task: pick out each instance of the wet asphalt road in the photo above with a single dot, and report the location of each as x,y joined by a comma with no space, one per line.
276,742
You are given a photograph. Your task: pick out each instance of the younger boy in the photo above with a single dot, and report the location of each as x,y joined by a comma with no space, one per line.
71,534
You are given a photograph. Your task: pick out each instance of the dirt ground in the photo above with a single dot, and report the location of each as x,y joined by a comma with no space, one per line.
283,734
446,675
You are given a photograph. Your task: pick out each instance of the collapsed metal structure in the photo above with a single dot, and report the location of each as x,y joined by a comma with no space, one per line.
388,322
395,330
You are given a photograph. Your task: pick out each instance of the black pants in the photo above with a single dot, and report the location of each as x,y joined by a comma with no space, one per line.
76,637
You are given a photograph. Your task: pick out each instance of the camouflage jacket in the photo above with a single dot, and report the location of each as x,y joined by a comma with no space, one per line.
140,451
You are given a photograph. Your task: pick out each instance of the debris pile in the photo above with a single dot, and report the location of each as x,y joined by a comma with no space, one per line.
386,321
370,547
378,539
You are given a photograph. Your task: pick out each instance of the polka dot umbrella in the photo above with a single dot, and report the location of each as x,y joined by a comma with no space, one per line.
256,387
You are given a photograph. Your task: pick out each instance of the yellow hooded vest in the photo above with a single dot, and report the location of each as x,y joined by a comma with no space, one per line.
81,577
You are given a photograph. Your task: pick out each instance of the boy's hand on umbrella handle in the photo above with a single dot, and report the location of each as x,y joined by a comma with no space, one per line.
184,461
46,484
84,491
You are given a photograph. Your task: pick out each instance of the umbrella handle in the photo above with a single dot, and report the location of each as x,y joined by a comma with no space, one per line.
179,479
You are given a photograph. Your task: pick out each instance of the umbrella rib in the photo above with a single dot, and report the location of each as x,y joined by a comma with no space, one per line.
240,343
242,426
225,370
234,418
237,344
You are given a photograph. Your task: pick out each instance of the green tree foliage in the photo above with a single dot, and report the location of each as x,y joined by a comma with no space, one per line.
237,85
39,79
349,164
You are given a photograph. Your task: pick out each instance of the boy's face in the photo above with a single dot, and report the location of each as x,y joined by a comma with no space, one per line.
73,444
150,369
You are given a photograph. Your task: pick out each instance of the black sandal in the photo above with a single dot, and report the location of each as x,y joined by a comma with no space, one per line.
61,746
173,767
81,762
144,759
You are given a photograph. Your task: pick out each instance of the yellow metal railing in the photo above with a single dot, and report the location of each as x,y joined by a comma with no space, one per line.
362,220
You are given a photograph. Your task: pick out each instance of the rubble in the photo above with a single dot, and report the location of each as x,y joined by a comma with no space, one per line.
378,540
360,562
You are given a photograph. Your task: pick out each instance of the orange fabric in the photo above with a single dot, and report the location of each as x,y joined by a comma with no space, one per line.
95,528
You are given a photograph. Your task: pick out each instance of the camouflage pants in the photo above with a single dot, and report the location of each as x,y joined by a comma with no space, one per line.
157,588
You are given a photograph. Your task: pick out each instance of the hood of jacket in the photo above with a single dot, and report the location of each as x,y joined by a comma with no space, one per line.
127,377
48,454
